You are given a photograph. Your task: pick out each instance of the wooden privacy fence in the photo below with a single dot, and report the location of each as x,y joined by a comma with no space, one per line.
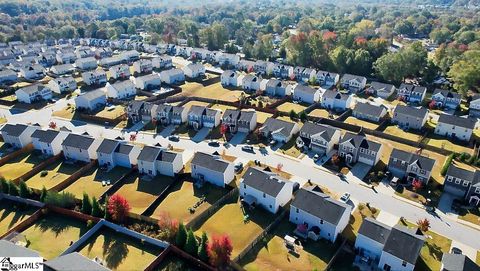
39,168
72,178
16,154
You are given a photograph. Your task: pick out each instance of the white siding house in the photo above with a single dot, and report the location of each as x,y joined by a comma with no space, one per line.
80,148
148,82
49,142
121,89
306,94
212,169
33,93
17,135
455,127
172,76
91,100
63,84
88,63
121,71
154,160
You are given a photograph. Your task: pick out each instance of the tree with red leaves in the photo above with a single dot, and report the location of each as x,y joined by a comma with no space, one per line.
423,224
279,166
133,137
219,250
417,185
223,129
250,69
52,125
432,105
118,208
329,35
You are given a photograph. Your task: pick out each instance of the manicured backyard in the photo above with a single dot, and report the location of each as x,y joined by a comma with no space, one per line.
213,91
319,113
185,195
287,107
290,148
52,234
192,103
222,107
11,214
55,174
356,220
396,131
141,192
66,113
111,112
91,182
262,117
273,255
230,219
119,252
20,165
361,123
443,143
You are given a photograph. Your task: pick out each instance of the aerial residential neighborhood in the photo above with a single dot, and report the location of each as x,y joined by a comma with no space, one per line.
251,135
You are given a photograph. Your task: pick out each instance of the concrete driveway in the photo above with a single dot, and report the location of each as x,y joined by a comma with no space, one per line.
358,172
167,131
445,204
466,250
388,219
238,138
201,134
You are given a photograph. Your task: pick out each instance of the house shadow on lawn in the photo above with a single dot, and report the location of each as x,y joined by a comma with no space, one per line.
58,225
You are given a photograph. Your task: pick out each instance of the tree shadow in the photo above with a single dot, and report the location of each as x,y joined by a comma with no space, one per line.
116,253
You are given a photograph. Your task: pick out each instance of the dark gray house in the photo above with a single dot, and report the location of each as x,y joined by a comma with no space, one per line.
357,148
369,112
408,117
410,166
463,184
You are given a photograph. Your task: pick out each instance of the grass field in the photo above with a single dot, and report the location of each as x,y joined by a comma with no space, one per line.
111,113
185,130
11,215
433,249
52,234
91,182
230,220
287,107
443,143
290,148
119,252
185,195
262,117
319,113
273,255
10,98
141,193
213,91
191,103
356,220
66,113
394,130
222,107
20,165
56,173
361,123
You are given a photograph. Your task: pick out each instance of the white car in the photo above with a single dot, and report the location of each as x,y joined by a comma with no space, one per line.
345,198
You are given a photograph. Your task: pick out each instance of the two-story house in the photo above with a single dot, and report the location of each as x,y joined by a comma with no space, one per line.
33,93
411,93
194,70
34,71
463,184
200,116
276,87
357,148
96,77
318,215
49,142
282,71
244,121
80,147
251,83
121,89
17,135
121,71
172,76
279,130
265,189
354,83
162,62
337,101
474,107
446,99
230,78
148,82
410,166
455,127
319,138
369,112
408,117
89,63
62,69
142,66
154,160
63,84
327,79
8,76
212,168
306,94
381,90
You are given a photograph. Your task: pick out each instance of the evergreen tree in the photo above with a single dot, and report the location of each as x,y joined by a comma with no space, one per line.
96,209
202,248
191,245
4,185
12,189
181,237
43,194
86,204
293,115
106,214
303,116
24,190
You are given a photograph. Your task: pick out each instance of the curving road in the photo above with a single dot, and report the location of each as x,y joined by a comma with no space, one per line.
302,170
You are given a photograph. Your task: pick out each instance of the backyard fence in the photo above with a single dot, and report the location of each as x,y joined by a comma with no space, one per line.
102,120
112,189
72,178
73,214
160,197
201,218
39,168
16,154
334,257
344,115
17,199
25,224
261,236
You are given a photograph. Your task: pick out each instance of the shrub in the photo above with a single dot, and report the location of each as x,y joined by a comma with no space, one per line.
96,209
181,237
86,204
447,163
90,223
219,250
293,115
4,184
471,160
43,194
202,248
64,199
43,173
191,245
13,189
24,190
118,208
361,206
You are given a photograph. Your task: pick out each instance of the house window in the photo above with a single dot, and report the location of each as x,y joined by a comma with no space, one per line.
296,210
457,181
465,183
264,195
245,185
449,178
271,206
477,190
244,193
404,263
321,221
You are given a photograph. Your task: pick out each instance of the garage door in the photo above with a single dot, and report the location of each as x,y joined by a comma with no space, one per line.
454,190
365,160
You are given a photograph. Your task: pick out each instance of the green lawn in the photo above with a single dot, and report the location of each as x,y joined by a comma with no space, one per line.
470,215
119,252
12,214
361,123
91,182
141,193
394,130
273,255
433,249
52,234
230,220
356,220
56,173
185,195
290,148
19,166
213,91
287,107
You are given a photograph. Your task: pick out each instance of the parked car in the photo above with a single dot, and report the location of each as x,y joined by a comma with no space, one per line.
214,144
345,197
273,142
247,148
316,157
174,138
456,250
238,167
394,182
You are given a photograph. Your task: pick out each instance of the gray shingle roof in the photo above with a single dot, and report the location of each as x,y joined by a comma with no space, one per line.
73,262
411,111
305,89
246,115
360,140
9,249
320,205
324,131
460,173
410,158
404,244
78,141
209,161
377,86
348,77
149,153
275,125
232,114
374,230
14,129
333,94
447,93
122,85
197,110
124,148
45,136
458,262
167,156
468,123
108,146
413,88
369,109
267,182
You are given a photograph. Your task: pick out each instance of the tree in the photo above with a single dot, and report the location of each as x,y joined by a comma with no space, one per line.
181,237
464,72
118,208
423,224
86,204
96,209
202,248
447,164
168,227
4,184
293,115
24,190
13,189
219,250
43,194
191,245
303,116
